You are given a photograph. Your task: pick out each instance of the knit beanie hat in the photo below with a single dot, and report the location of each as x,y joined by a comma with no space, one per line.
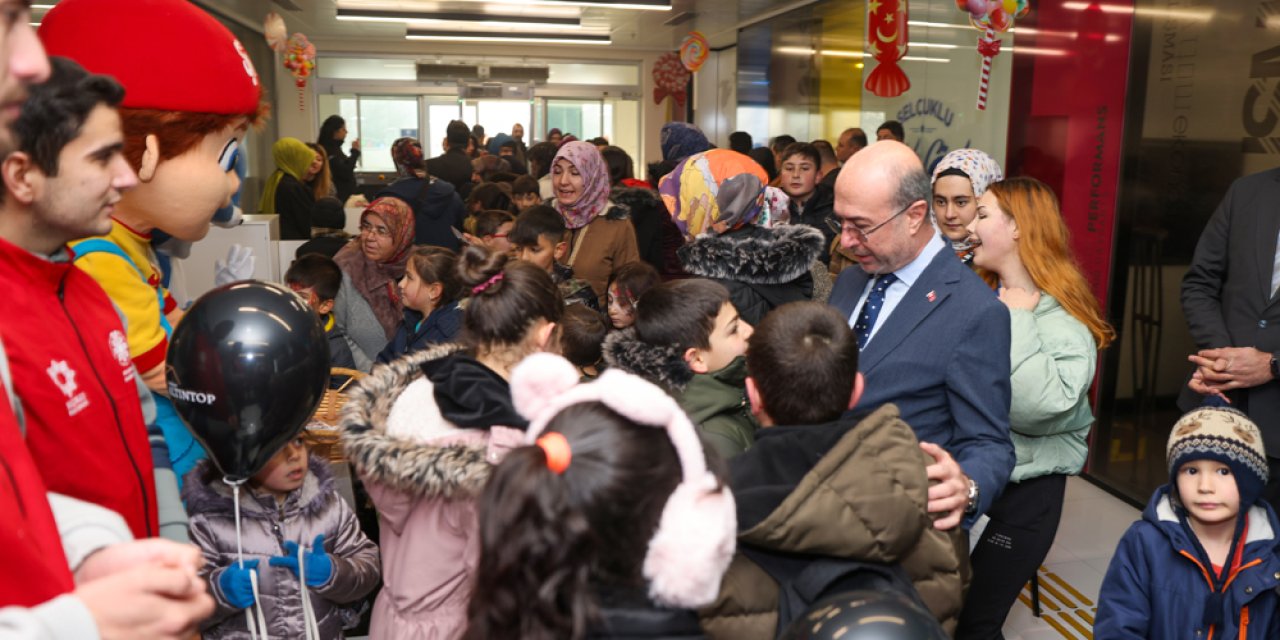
1224,435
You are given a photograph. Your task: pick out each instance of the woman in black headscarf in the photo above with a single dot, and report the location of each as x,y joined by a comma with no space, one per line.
342,166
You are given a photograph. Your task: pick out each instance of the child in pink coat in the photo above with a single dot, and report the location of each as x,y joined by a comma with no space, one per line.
424,433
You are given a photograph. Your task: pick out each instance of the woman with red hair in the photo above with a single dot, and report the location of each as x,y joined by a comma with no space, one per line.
1057,330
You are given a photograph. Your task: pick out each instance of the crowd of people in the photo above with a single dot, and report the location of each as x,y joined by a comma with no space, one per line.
688,405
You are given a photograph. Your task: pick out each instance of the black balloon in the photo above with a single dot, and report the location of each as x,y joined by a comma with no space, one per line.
247,366
865,615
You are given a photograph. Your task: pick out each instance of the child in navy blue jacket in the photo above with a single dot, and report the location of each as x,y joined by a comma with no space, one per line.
1202,562
430,292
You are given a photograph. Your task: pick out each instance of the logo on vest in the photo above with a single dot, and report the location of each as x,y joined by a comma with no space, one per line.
65,379
119,347
194,397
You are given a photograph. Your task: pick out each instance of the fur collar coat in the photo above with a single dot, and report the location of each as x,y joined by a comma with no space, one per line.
762,267
423,434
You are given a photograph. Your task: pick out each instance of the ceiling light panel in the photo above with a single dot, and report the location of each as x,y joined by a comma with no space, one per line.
506,36
478,18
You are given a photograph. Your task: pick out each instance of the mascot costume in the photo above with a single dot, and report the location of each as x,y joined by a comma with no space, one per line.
185,116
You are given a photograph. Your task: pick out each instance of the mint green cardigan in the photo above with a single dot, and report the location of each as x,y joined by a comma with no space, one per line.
1053,358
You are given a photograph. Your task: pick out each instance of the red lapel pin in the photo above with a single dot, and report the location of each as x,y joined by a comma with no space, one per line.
931,296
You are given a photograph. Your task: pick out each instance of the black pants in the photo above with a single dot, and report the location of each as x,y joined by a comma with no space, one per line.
1023,523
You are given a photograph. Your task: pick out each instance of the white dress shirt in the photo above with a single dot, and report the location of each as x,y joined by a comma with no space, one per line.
907,276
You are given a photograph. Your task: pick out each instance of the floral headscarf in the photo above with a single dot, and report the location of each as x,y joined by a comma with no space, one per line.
595,184
376,281
980,168
717,187
680,140
407,155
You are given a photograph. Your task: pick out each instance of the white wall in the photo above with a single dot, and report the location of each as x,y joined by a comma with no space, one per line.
715,90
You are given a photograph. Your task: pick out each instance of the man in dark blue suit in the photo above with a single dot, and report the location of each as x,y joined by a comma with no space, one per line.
935,339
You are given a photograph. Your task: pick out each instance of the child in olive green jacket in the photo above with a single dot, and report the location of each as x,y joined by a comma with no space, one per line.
689,339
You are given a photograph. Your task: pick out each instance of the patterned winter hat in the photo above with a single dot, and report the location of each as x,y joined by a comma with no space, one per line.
1227,436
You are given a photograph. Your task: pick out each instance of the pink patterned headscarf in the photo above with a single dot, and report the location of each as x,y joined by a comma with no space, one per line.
595,184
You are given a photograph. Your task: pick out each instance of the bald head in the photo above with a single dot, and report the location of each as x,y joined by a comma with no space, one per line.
851,141
878,183
880,165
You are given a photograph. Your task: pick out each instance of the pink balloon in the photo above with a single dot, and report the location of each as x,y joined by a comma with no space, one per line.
977,8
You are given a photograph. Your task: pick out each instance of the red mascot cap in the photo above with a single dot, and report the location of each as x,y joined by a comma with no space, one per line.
167,54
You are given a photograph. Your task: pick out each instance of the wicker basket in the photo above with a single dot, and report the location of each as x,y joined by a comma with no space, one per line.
321,434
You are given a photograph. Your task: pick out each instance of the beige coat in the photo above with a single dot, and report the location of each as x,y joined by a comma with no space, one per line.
602,247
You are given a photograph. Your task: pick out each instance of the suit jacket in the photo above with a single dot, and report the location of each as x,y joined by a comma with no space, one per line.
1226,294
453,166
945,363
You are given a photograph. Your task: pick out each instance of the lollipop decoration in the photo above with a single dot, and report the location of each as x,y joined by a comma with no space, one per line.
693,51
670,78
274,30
300,60
887,39
991,17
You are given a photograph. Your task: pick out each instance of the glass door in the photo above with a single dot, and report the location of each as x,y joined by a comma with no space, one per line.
383,120
499,116
585,119
440,112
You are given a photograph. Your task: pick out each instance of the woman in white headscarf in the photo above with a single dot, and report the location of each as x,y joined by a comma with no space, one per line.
960,178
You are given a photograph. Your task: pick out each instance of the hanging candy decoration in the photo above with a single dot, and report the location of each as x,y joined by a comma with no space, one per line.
300,60
991,17
274,30
670,78
887,41
694,51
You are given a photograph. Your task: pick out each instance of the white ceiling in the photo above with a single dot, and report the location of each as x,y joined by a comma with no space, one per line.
628,28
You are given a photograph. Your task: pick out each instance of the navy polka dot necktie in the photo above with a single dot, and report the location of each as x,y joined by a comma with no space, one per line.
871,309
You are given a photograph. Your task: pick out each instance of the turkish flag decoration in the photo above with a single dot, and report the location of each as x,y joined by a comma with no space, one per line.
887,43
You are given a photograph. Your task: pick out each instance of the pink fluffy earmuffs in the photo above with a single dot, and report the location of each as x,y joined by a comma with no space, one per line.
694,543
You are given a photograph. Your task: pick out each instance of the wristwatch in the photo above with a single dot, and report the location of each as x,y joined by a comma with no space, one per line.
972,506
1275,367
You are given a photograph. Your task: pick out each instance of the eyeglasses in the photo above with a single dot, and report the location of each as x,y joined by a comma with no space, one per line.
365,227
863,234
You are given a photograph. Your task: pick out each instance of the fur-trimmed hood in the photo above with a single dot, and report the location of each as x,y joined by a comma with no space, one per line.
663,366
636,197
216,498
754,255
440,459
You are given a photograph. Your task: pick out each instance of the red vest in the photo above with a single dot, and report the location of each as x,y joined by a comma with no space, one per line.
33,566
73,374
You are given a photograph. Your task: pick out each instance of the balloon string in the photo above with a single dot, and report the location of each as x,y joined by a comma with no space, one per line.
260,624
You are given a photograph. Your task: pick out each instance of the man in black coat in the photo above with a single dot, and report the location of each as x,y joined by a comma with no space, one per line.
1229,300
454,165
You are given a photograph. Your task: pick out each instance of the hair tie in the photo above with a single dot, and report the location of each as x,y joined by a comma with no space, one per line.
479,289
556,448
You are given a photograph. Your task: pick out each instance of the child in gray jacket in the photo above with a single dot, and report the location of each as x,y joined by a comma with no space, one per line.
290,503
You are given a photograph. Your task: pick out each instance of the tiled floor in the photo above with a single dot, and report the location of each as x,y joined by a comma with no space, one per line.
1092,523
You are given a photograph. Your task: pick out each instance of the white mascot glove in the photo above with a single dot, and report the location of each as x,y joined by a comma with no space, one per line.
238,266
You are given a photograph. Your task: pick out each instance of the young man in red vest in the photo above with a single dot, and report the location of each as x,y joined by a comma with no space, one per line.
121,589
